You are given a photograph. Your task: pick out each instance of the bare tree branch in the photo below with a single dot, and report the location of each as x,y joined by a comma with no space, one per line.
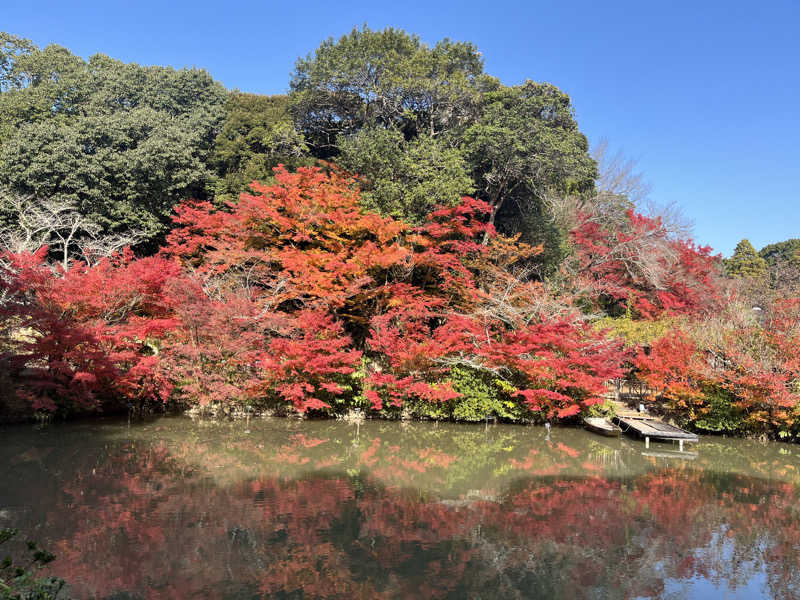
58,224
617,174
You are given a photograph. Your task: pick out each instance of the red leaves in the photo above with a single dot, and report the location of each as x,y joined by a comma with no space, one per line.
746,381
720,367
559,367
293,296
394,391
639,263
303,240
535,399
87,329
304,366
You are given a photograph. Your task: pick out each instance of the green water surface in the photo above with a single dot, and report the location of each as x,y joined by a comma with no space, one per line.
182,508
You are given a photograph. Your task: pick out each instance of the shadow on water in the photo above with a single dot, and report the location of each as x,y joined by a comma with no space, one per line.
178,508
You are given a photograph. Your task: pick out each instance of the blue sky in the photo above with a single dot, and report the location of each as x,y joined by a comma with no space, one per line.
704,95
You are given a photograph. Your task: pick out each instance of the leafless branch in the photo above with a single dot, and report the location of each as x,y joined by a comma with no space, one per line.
616,174
58,224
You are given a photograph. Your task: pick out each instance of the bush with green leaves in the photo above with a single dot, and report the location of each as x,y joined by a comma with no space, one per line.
482,395
20,580
723,415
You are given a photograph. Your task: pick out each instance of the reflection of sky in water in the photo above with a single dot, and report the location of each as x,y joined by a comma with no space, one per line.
703,588
178,508
751,580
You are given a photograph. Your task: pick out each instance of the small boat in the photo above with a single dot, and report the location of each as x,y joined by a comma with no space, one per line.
602,426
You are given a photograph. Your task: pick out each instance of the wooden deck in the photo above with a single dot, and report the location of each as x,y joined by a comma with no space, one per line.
621,395
650,427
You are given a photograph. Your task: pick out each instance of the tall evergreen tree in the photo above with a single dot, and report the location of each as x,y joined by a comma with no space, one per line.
745,262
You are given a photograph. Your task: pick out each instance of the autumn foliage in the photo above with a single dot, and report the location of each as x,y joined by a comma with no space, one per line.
731,374
84,338
294,298
637,264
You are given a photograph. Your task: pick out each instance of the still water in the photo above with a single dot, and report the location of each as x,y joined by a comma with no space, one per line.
180,508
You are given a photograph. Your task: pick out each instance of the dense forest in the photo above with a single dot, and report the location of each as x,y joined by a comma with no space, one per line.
401,235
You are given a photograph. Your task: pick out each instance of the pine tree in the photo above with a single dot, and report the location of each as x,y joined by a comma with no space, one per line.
745,262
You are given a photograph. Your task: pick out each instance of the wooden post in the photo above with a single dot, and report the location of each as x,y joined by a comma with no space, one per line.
646,442
680,445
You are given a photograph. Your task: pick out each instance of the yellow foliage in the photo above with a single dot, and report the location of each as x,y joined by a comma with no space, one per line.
636,332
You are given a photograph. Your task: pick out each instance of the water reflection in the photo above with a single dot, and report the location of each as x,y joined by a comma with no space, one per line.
176,509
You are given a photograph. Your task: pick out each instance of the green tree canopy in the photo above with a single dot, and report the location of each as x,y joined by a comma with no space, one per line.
124,142
745,262
257,135
785,251
405,179
385,78
526,145
11,48
783,264
526,142
422,125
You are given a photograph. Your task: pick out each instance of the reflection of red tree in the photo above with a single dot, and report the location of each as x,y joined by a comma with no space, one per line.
147,523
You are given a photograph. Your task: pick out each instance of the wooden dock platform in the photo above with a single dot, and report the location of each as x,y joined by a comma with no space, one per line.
649,427
640,423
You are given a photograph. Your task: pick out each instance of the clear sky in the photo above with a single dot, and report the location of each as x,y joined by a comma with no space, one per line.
704,94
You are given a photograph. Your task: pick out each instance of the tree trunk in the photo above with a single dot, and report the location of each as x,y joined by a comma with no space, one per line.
497,202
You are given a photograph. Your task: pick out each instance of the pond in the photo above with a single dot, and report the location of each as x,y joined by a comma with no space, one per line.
182,508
